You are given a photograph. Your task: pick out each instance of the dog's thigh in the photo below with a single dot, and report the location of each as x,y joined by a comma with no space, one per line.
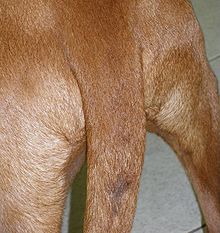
41,137
41,121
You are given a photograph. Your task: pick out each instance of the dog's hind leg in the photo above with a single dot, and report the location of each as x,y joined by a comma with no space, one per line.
41,134
188,118
182,101
38,161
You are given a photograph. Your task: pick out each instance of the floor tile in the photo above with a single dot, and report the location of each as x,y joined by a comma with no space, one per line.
216,68
208,14
166,202
199,231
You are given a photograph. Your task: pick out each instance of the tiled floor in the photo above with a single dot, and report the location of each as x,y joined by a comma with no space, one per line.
166,202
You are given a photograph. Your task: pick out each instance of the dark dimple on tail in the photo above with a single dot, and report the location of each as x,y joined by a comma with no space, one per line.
118,189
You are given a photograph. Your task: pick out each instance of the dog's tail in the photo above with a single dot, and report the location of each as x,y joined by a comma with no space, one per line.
113,101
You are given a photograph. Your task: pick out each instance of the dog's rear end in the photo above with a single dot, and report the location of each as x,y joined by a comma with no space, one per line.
47,47
131,66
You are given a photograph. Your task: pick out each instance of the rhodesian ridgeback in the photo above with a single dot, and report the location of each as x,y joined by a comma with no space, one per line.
98,74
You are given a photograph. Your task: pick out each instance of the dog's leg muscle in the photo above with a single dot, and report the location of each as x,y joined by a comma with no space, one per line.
189,120
197,143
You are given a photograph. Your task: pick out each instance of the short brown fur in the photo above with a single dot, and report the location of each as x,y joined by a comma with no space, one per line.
101,73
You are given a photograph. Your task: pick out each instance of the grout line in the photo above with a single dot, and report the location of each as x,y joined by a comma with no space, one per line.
199,228
214,58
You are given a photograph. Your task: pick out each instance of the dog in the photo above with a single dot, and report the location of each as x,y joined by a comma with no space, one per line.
96,76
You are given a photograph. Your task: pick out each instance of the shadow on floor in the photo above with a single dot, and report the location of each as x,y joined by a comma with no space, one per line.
78,200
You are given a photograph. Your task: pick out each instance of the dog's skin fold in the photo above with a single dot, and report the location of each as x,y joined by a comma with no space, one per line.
101,73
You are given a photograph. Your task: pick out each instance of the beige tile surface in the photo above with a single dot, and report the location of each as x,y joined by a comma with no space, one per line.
166,202
216,68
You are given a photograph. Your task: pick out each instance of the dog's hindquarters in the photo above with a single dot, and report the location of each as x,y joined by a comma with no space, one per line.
182,106
41,122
